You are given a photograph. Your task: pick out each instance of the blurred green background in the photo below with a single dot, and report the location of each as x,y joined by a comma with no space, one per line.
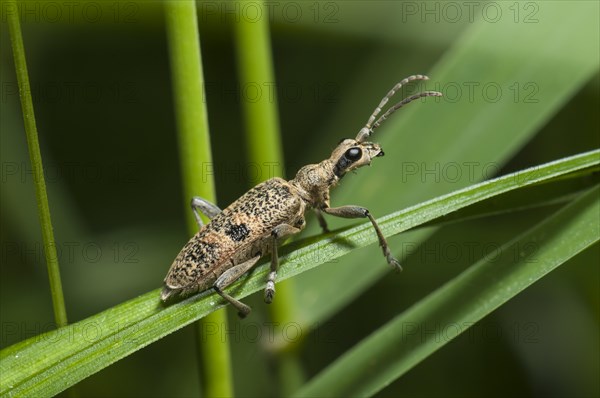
102,94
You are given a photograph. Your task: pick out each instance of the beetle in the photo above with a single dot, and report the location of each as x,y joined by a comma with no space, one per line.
252,226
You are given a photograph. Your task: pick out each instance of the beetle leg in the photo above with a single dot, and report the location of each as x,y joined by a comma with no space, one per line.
321,220
208,209
230,276
361,212
278,232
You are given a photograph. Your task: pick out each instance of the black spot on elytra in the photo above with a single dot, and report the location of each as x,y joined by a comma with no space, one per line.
237,232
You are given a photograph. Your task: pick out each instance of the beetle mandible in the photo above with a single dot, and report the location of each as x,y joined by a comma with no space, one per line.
251,227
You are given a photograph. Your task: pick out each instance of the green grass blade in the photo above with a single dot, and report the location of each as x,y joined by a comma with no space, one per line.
35,155
399,345
461,129
195,151
558,191
49,363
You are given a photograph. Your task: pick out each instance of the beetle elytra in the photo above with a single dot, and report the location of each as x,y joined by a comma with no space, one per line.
251,227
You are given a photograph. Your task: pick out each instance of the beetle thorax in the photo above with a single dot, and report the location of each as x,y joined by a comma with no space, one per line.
314,181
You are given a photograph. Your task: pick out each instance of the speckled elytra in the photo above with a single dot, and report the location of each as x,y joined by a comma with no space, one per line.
237,237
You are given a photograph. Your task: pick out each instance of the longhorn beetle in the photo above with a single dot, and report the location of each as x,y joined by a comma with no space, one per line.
251,227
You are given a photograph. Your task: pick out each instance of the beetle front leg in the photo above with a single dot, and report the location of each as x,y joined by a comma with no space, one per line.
230,276
278,232
210,210
361,212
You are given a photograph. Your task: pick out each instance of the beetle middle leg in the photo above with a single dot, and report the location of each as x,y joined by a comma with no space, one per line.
278,232
322,221
230,276
208,209
361,212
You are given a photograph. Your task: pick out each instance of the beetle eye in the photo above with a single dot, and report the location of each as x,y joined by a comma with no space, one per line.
353,154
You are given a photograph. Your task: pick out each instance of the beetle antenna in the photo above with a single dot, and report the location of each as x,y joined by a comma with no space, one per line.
401,104
374,123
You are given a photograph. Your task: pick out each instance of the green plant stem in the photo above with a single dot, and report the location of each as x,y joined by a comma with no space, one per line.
255,69
194,148
259,102
35,156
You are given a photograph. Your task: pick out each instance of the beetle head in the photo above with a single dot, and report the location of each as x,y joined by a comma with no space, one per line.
351,154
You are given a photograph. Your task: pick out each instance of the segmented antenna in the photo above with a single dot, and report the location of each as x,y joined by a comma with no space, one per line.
373,124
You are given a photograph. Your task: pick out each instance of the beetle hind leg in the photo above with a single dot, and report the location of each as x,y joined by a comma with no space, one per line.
230,276
243,309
